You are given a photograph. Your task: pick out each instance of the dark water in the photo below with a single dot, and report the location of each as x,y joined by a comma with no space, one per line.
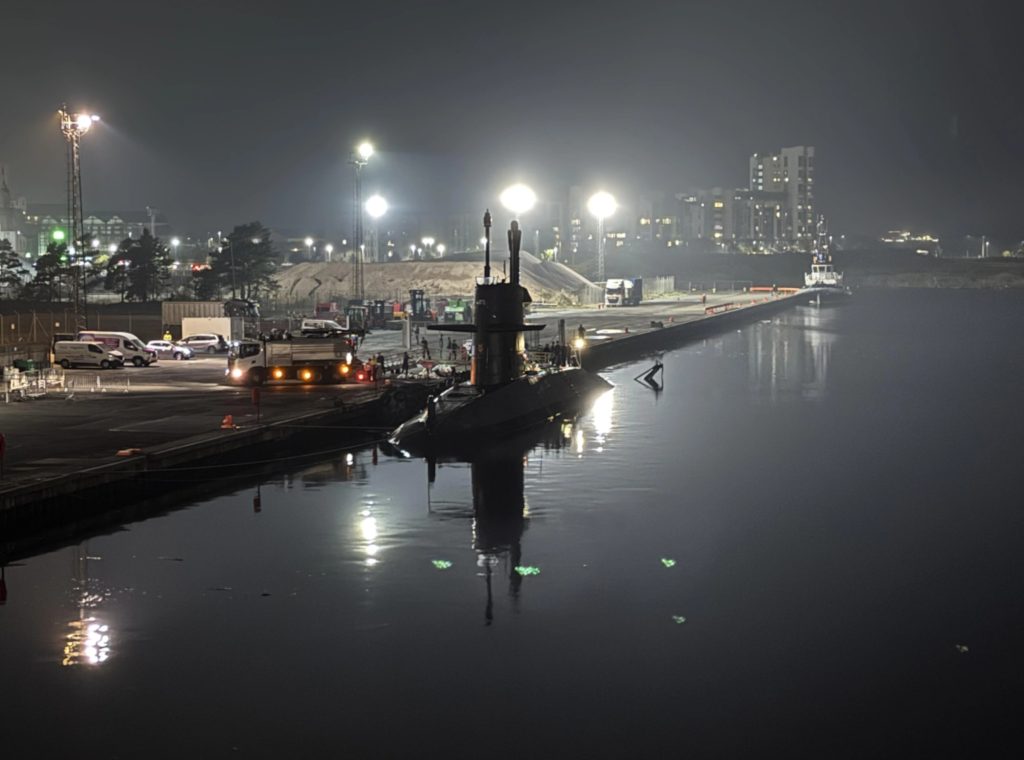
778,555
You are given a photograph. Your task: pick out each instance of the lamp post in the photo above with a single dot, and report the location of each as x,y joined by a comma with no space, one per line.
329,249
601,205
359,159
231,254
309,247
73,126
376,207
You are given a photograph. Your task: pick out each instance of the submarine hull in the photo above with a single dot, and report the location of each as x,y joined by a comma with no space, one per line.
464,414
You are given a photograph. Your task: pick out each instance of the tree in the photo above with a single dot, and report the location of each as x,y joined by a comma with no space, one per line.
12,271
245,263
139,269
52,272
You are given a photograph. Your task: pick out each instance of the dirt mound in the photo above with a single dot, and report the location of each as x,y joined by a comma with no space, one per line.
547,281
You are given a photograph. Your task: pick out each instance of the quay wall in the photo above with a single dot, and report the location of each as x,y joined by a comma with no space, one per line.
628,348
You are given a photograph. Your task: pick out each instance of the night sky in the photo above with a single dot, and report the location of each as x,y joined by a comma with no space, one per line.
221,112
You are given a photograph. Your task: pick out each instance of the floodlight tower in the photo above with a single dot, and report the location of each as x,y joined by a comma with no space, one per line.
602,205
359,159
73,126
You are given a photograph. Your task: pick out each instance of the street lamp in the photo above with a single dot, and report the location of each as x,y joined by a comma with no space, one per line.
329,248
518,198
231,253
440,249
73,126
601,205
309,247
364,151
376,206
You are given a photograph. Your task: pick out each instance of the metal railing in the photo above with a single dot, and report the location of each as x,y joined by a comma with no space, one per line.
25,386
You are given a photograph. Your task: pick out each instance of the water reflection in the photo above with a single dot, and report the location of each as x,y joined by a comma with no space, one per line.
88,640
791,355
500,511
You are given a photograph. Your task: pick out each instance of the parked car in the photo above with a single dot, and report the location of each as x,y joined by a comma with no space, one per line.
205,342
167,350
84,353
133,349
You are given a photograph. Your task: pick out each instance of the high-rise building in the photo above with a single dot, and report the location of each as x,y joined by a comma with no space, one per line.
783,183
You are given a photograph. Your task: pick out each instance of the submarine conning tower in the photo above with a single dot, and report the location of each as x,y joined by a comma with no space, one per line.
499,347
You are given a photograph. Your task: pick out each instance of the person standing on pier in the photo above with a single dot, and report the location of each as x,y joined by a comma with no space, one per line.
426,348
405,364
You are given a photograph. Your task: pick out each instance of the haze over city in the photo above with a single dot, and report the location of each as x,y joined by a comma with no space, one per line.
222,113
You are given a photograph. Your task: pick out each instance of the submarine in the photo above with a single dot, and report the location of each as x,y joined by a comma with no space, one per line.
504,395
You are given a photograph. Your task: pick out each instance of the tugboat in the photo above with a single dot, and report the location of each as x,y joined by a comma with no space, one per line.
823,284
504,395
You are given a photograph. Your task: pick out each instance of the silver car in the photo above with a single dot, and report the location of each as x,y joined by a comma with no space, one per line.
209,343
167,350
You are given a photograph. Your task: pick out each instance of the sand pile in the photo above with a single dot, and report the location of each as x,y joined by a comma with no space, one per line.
548,282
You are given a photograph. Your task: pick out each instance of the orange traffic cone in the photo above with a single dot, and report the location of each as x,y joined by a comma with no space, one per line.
228,423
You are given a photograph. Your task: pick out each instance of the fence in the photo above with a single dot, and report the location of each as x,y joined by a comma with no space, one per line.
39,327
24,386
720,286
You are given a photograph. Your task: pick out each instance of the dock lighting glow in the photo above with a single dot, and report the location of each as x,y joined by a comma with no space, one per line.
365,150
309,242
348,357
518,198
112,248
57,235
376,206
277,373
579,343
305,375
343,369
602,205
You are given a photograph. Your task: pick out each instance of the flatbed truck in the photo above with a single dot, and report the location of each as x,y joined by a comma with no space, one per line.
307,360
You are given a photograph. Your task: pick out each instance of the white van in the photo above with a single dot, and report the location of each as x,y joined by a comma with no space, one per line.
133,349
84,353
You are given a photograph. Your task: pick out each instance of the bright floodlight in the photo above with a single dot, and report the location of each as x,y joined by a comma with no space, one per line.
518,198
329,248
602,204
427,241
376,206
365,150
175,242
95,243
441,249
309,242
83,121
112,248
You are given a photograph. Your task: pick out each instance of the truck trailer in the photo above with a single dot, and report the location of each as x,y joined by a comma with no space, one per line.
308,360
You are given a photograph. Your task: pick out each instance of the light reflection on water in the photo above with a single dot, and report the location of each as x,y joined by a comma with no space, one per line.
532,582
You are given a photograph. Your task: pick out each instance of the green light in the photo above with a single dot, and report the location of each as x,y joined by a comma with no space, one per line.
678,619
527,570
441,564
57,234
668,562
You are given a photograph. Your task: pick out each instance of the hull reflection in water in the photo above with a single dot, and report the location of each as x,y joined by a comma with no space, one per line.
499,502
